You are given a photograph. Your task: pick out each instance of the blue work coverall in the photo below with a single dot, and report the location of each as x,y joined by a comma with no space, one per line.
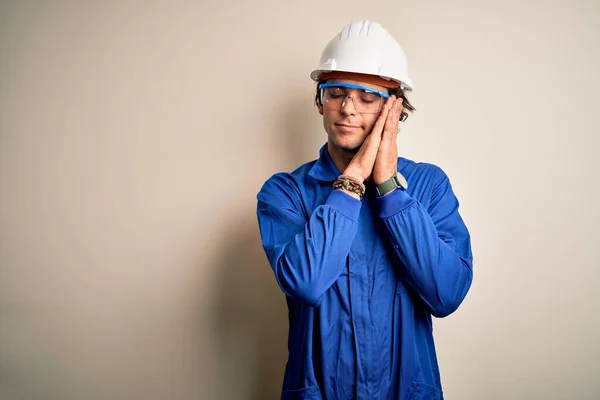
362,279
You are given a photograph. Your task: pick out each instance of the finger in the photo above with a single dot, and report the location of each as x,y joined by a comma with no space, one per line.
371,143
369,148
391,123
399,108
386,132
398,116
374,147
380,123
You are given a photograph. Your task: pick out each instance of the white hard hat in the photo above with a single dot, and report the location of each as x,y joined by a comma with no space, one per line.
365,47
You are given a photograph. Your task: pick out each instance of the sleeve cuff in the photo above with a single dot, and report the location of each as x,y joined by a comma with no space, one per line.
393,203
345,204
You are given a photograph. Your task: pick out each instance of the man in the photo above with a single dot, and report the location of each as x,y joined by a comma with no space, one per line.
365,245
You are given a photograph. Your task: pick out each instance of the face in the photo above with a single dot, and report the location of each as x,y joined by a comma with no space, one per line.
346,129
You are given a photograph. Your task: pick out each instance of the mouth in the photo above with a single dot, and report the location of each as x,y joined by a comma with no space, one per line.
346,127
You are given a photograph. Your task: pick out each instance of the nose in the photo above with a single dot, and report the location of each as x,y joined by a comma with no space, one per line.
348,107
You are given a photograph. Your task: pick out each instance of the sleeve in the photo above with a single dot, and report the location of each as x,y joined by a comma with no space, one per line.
433,246
307,254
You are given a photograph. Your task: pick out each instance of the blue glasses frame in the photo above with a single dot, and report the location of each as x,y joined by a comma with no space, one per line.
322,86
351,86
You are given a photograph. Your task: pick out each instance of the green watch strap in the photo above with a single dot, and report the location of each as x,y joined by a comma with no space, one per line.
396,181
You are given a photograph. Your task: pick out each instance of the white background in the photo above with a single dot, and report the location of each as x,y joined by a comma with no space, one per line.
135,136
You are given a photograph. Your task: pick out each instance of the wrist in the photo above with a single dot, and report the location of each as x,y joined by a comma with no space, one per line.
349,193
397,181
354,174
379,179
391,191
348,183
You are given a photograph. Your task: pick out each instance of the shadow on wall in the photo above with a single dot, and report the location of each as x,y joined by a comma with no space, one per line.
251,320
250,309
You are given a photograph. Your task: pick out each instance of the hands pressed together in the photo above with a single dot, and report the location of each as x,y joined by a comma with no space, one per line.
378,156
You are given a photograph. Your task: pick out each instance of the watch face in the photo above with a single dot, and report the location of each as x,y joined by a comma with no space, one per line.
402,180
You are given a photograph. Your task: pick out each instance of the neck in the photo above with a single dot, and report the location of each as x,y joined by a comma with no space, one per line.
341,158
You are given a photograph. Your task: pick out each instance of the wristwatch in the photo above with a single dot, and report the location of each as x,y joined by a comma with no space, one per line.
397,181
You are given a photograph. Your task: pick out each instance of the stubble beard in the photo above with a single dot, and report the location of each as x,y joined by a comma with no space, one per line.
347,148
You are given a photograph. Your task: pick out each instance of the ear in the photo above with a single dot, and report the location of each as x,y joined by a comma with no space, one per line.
320,109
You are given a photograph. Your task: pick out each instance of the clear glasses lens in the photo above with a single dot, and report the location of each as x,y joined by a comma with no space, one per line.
365,102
